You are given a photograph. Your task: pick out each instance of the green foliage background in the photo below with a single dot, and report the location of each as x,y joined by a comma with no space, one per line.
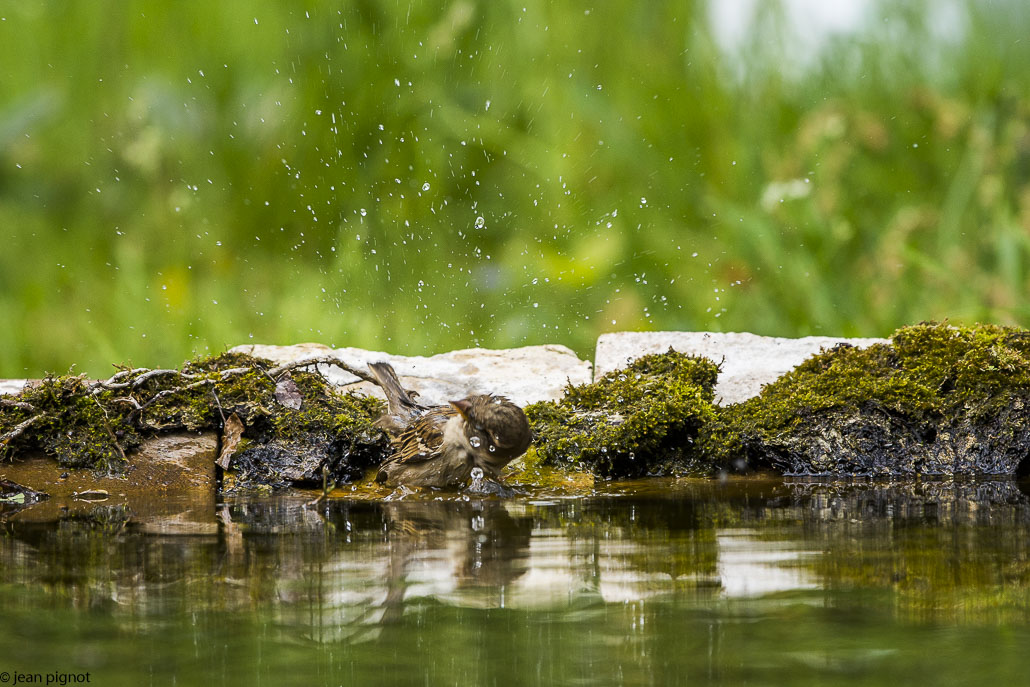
180,177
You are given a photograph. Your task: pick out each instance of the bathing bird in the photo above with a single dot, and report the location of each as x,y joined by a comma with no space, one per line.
441,446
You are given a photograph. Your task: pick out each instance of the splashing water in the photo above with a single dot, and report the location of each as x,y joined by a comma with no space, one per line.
476,442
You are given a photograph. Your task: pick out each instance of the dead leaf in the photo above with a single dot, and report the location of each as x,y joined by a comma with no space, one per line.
231,435
287,393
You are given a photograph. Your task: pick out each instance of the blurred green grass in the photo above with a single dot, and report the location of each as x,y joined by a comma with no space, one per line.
180,178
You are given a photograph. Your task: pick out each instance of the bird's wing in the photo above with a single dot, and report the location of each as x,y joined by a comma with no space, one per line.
421,440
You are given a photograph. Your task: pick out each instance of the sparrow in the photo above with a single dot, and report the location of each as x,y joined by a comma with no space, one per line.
441,446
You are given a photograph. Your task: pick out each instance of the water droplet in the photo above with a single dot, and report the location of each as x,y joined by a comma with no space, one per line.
425,186
477,473
492,448
475,441
632,456
622,378
480,222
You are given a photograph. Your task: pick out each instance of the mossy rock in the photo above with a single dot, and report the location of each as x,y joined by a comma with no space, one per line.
75,427
937,400
321,433
640,421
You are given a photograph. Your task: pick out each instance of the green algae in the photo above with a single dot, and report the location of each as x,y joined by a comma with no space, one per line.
641,421
530,472
938,399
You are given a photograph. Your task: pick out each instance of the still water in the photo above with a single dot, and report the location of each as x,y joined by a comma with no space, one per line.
650,583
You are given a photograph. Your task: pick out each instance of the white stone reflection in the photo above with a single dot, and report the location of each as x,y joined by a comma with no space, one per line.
504,555
752,566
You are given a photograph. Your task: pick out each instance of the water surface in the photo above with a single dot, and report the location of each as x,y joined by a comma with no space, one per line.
662,582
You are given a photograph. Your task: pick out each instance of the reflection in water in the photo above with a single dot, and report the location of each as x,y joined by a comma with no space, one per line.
617,578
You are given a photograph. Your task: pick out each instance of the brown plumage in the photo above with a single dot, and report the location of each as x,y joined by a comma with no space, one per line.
438,446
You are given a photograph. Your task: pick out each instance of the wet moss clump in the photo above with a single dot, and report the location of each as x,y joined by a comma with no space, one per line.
296,427
64,420
937,400
332,436
640,421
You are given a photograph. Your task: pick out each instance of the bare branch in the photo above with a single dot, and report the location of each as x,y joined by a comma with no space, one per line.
308,362
110,432
127,399
150,374
19,429
11,403
114,381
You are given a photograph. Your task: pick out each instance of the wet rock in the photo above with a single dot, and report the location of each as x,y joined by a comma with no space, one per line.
282,463
748,361
175,462
525,375
15,497
167,486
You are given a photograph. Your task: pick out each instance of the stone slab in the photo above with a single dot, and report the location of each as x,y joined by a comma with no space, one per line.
525,375
748,361
12,386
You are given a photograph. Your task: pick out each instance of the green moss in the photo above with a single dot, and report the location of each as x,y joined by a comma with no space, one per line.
643,420
330,431
94,427
78,428
915,400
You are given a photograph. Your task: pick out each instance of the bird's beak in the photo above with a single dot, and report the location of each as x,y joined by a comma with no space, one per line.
462,406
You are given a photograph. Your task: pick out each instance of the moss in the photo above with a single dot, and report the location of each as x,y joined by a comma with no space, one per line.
643,420
939,399
94,427
79,429
330,430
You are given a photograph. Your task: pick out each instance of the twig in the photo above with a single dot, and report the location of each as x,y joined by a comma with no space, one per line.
150,374
219,404
327,487
127,399
19,429
11,403
308,362
113,382
110,432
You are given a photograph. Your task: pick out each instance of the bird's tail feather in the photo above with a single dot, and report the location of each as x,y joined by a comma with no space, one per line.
399,398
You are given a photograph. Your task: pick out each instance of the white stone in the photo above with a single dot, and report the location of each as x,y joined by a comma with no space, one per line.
748,361
12,386
525,375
